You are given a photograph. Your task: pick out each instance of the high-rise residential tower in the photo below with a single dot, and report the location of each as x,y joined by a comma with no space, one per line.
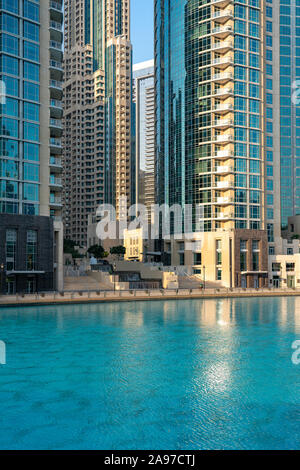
143,76
83,116
97,109
210,135
119,159
282,37
31,232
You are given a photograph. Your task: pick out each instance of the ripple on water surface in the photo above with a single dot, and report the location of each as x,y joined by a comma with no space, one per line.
212,374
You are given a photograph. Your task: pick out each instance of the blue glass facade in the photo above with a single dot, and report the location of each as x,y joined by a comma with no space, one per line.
20,110
209,110
172,71
283,51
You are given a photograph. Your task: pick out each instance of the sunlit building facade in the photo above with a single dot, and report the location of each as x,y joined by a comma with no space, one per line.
97,110
210,135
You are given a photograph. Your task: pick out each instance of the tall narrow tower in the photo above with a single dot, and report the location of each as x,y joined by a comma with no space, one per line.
83,115
118,76
97,109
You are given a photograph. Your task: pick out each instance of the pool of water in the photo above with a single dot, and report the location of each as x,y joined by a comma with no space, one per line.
213,374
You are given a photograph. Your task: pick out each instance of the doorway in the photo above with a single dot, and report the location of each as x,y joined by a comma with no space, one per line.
10,286
291,282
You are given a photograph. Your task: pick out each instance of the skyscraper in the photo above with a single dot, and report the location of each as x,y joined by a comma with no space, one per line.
143,77
210,135
97,109
84,116
119,159
282,36
30,165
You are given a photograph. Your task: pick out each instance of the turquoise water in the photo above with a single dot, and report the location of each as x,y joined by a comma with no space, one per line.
151,375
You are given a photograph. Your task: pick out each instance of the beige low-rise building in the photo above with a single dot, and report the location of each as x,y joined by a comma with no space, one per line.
284,271
133,243
236,258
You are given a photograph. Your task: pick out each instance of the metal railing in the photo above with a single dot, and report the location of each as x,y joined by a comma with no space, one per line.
146,293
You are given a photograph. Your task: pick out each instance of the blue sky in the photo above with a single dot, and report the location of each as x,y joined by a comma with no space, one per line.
142,30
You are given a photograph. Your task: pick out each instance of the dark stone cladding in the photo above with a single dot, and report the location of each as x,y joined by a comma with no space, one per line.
45,251
249,236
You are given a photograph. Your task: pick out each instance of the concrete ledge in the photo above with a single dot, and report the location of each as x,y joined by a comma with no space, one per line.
132,296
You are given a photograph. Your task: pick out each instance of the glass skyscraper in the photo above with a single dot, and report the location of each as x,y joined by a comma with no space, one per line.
210,137
30,139
143,77
282,37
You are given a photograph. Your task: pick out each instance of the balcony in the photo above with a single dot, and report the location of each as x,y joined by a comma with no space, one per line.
56,89
222,16
56,70
55,127
223,123
221,3
223,108
224,216
55,109
56,27
56,51
223,201
223,93
56,11
223,138
55,145
55,202
223,155
222,77
222,32
224,185
222,62
224,170
222,46
55,182
55,163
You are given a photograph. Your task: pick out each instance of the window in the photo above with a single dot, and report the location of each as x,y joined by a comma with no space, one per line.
219,253
197,258
31,11
255,255
31,192
31,91
9,65
31,250
31,152
31,71
243,255
290,267
11,247
31,51
9,23
31,132
9,127
31,31
9,44
31,112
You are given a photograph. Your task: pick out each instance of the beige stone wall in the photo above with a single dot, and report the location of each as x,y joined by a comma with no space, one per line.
228,244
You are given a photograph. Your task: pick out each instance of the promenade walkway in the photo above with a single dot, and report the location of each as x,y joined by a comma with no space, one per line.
126,296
